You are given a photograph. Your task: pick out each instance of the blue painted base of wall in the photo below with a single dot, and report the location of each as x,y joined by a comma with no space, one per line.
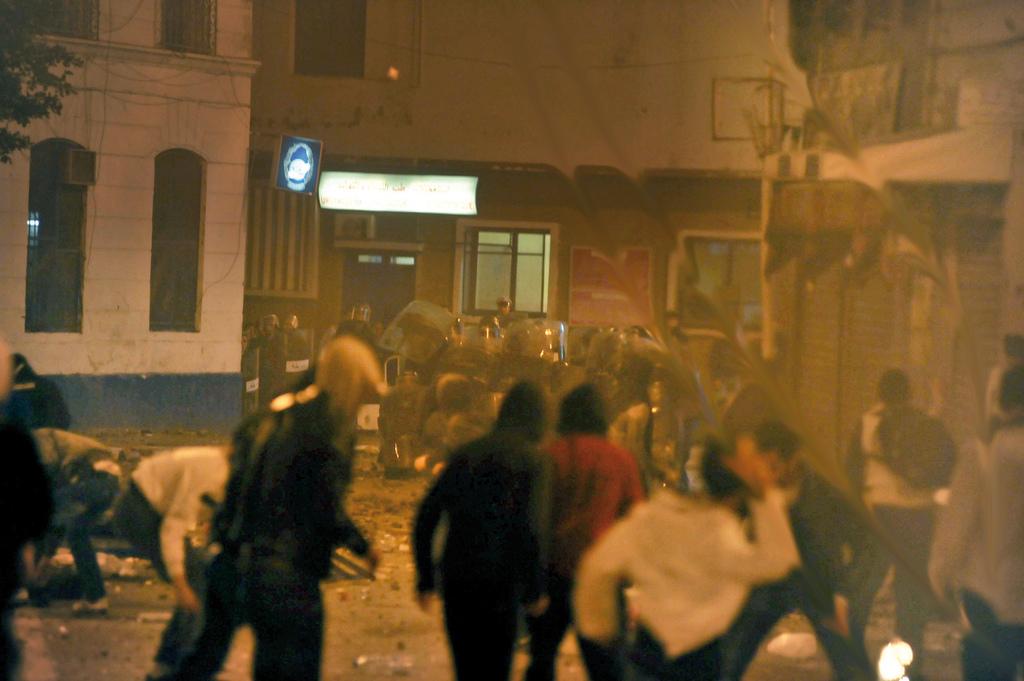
153,401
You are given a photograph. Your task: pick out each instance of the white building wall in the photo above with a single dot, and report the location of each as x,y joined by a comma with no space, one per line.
134,101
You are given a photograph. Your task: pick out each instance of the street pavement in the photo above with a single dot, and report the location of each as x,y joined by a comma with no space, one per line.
374,629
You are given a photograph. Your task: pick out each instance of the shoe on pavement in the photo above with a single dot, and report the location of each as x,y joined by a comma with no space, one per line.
85,608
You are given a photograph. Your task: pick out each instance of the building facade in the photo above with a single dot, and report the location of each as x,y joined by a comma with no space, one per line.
594,129
122,237
916,150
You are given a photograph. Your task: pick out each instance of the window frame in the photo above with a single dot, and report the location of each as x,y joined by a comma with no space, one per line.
681,255
193,326
465,227
36,308
293,45
211,27
88,29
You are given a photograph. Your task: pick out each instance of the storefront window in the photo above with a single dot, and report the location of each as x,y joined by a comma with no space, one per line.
726,276
507,263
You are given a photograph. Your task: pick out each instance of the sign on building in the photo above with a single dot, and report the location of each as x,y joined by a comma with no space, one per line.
373,192
610,292
298,164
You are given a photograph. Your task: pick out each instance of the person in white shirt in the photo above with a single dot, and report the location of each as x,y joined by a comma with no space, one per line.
898,459
170,498
979,543
691,565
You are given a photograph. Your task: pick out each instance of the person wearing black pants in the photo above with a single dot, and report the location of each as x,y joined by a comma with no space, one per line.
914,603
281,520
650,663
26,505
480,651
692,565
165,514
548,630
766,606
593,484
492,492
85,480
80,503
817,518
992,650
897,459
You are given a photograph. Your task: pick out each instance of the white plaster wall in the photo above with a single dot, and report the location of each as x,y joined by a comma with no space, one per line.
648,66
131,105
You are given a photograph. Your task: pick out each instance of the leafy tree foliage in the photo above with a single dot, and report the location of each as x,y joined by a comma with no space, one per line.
34,72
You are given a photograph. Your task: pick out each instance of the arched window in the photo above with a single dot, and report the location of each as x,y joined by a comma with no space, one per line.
56,230
177,237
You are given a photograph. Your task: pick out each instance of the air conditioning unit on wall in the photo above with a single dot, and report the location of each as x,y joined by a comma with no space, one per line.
79,167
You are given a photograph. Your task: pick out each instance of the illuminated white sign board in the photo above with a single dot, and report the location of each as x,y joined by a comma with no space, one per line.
368,192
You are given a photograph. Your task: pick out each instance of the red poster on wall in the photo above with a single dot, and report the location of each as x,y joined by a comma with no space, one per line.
607,291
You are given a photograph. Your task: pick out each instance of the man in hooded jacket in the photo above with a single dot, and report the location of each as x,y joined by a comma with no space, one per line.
493,495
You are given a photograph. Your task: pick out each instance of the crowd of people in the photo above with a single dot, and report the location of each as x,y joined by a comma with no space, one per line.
557,530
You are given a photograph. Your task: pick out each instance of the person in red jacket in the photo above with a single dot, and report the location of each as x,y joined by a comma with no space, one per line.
593,484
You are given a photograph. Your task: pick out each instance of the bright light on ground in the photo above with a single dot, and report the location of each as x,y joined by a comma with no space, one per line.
894,660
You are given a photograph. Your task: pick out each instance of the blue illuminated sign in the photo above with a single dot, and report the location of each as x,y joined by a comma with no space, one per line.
298,164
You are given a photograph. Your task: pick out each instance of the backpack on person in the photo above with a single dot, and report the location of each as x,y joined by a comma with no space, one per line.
917,447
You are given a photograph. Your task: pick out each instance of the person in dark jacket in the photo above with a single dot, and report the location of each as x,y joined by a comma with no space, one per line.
815,588
492,492
898,458
273,358
85,481
593,484
281,520
26,505
35,401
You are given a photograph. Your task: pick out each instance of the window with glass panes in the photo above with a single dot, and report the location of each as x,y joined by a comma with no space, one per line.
507,263
189,25
74,18
178,180
725,273
56,231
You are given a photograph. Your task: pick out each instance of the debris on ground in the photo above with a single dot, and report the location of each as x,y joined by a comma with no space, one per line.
793,645
399,664
157,617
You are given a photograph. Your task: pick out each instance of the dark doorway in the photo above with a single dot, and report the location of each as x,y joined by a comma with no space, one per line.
387,281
